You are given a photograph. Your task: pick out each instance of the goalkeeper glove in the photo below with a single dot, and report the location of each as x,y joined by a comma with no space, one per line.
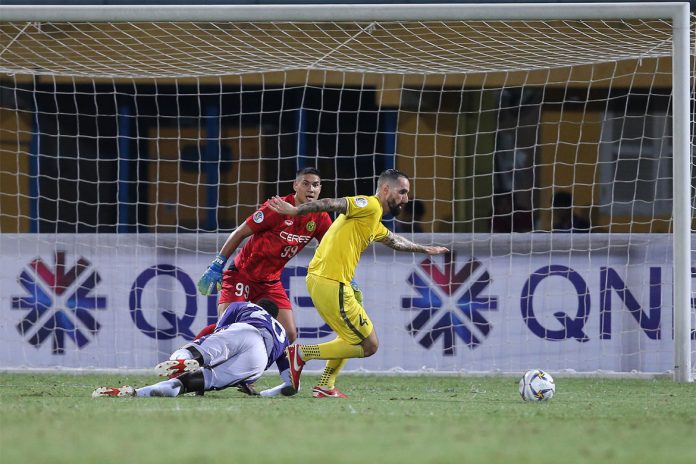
212,277
357,292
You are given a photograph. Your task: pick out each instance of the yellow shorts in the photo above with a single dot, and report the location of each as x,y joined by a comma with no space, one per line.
336,304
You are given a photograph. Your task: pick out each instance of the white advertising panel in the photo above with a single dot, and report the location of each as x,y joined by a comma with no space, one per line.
495,303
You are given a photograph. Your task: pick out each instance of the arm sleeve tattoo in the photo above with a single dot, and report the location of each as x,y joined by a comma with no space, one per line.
337,205
399,243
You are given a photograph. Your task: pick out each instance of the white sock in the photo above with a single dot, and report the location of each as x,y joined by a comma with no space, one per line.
181,353
170,388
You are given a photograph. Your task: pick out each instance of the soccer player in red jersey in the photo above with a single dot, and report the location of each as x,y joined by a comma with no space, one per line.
275,239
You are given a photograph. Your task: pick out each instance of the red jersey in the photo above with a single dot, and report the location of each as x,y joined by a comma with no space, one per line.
276,239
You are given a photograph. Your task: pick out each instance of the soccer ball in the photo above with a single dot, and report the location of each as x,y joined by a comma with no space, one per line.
537,385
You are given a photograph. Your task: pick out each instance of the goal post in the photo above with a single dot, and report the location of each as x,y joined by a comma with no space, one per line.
160,100
682,195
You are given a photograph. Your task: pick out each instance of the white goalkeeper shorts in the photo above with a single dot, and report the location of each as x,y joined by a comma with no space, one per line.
235,354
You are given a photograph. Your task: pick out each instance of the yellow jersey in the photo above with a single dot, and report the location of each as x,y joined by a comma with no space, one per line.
339,251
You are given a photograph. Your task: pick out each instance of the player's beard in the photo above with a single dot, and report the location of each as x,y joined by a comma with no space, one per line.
394,208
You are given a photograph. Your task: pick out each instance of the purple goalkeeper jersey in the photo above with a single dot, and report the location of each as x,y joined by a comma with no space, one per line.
271,330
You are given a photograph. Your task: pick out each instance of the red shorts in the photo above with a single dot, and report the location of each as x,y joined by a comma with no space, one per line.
236,286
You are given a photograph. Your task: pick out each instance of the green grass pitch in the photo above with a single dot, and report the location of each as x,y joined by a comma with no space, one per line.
51,418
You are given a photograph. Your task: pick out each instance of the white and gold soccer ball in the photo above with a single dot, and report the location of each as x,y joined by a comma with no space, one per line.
537,385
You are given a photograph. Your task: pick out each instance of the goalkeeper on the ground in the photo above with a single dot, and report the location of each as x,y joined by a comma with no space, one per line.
247,341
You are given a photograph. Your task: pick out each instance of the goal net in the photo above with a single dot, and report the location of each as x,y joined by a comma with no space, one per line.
548,147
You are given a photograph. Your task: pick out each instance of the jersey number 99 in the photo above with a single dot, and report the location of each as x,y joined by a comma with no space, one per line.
241,290
289,251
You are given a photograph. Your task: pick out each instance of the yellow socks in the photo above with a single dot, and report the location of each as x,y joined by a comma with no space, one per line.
336,352
309,352
328,378
335,349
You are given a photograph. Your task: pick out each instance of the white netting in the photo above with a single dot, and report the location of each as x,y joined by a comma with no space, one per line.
223,49
130,150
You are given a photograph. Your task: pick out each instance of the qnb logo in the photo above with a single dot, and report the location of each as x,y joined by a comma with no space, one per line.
60,303
172,324
450,304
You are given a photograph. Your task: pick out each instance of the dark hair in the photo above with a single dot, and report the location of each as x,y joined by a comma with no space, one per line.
390,175
307,170
270,307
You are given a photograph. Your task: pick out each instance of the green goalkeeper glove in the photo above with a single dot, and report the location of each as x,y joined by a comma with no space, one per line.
212,277
357,292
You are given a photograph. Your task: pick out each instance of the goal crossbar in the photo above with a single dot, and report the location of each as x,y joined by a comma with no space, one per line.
340,12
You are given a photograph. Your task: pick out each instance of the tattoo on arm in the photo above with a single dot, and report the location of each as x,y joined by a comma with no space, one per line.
338,205
399,243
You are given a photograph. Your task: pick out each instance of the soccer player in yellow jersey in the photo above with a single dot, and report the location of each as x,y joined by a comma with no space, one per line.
331,271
